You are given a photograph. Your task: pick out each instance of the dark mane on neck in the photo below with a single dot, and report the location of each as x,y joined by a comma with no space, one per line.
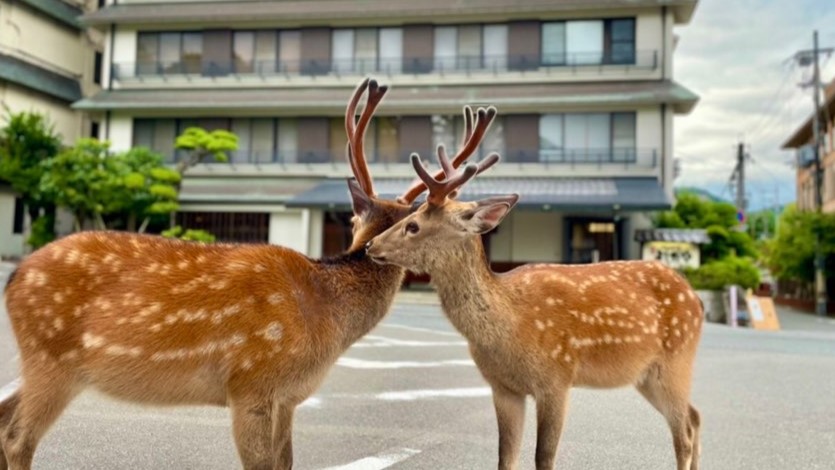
345,258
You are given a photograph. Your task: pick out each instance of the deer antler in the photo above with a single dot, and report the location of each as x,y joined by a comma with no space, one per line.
473,135
356,131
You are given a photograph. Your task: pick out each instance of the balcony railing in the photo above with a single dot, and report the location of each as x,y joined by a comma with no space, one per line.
482,64
627,158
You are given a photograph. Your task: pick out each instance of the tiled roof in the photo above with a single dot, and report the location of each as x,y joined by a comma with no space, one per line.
301,12
64,12
33,77
597,194
698,236
331,101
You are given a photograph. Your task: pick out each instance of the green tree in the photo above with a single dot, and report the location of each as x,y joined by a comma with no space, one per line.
144,187
91,183
26,141
201,145
718,218
790,255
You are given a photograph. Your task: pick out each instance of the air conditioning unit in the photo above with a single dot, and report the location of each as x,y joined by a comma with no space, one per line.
805,156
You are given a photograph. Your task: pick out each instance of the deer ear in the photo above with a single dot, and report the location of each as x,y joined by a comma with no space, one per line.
487,213
359,200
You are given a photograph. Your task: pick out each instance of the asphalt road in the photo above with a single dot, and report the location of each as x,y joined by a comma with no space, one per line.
408,397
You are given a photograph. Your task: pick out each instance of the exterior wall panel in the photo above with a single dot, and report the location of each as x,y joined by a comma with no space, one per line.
316,50
523,45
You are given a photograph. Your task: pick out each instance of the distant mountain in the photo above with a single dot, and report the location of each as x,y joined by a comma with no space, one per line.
703,193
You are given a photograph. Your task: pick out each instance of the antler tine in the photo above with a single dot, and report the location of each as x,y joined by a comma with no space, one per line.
356,131
474,133
438,190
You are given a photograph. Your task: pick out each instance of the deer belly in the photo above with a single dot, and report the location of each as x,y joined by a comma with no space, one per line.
603,369
145,382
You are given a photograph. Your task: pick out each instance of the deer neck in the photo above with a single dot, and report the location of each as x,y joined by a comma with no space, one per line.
359,293
469,293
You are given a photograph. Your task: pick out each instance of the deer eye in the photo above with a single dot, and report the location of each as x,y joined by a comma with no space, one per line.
412,228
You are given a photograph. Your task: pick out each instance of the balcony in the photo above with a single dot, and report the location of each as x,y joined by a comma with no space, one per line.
488,66
518,162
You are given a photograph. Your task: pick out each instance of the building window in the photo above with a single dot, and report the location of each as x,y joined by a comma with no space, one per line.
243,51
19,212
169,53
97,67
620,41
588,42
290,51
95,130
587,137
367,50
495,47
446,47
266,51
550,137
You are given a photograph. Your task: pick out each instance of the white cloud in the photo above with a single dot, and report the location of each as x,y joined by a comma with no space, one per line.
735,55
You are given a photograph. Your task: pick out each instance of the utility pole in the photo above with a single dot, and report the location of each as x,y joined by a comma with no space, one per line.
811,58
738,177
740,182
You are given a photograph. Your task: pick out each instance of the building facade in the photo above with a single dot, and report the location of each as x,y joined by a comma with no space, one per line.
802,142
584,91
48,60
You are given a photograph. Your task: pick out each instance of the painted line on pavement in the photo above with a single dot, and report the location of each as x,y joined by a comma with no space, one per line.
421,330
379,461
412,395
375,341
352,363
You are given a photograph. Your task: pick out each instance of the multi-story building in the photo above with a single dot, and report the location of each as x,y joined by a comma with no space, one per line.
584,90
802,141
47,62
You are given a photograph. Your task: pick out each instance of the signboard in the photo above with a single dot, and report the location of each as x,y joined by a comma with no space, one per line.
762,313
676,255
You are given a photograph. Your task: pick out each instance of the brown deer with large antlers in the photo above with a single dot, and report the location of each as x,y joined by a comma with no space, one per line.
542,329
165,322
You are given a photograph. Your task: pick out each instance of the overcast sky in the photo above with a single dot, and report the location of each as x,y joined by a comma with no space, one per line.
735,55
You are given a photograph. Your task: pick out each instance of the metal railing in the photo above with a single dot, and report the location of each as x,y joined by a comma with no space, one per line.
489,64
626,157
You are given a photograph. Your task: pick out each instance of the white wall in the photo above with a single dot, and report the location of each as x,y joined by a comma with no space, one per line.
11,244
316,224
124,51
648,133
120,132
528,236
35,36
66,122
290,228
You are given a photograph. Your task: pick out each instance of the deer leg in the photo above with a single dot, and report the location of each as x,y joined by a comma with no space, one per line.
283,435
7,409
252,426
550,415
46,391
510,414
696,425
668,393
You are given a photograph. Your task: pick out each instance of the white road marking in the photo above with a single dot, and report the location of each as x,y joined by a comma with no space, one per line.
379,461
9,389
352,363
421,330
411,395
312,402
374,341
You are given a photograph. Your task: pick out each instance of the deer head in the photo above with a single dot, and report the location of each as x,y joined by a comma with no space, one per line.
443,225
372,215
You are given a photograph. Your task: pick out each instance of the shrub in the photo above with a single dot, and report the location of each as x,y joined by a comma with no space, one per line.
716,275
190,235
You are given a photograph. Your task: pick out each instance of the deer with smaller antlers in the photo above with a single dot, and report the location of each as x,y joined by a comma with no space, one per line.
542,329
166,322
